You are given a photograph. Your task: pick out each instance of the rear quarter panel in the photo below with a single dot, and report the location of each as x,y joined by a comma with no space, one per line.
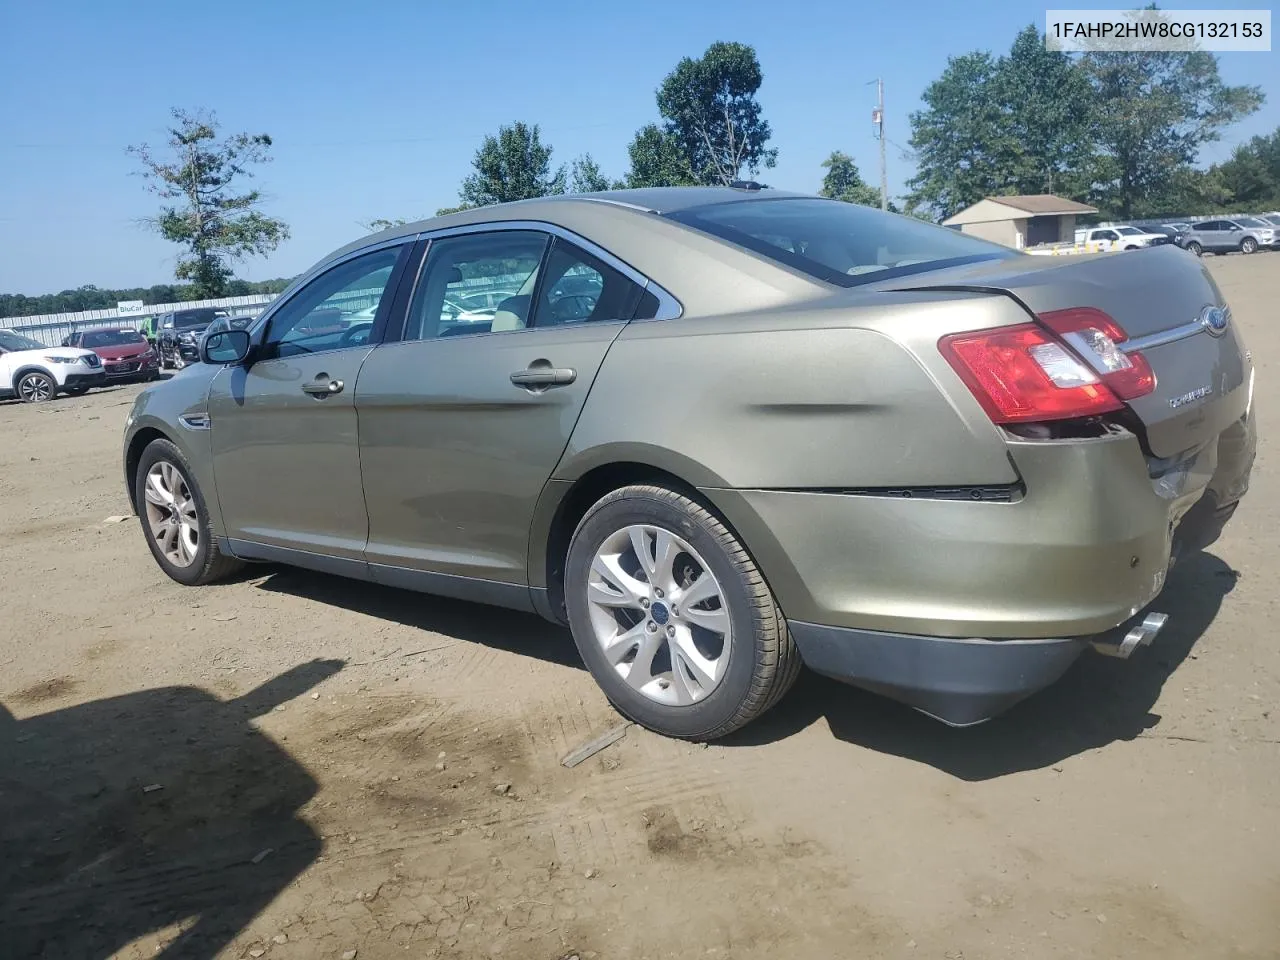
850,394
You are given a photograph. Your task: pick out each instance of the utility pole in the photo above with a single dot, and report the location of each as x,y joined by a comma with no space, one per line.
877,117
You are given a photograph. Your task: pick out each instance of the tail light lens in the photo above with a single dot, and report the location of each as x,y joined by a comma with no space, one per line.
1027,374
1024,374
1097,338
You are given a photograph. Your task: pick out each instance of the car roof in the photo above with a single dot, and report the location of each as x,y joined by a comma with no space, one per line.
647,200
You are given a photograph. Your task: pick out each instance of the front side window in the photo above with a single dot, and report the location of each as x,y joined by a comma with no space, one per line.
336,309
841,243
1105,235
503,266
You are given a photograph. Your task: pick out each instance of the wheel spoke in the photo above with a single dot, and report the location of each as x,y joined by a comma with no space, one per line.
717,621
684,650
704,588
617,648
155,491
641,671
643,551
615,587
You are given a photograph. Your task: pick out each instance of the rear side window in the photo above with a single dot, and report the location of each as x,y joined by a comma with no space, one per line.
841,243
579,287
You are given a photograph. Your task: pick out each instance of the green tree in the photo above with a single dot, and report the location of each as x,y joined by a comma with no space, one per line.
709,108
843,181
1156,111
1049,129
959,137
657,160
1022,123
1252,175
585,176
203,210
514,165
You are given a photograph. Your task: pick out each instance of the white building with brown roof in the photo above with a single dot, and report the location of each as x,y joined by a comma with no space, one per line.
1021,222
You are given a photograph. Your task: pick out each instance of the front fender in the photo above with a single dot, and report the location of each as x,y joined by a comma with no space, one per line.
172,410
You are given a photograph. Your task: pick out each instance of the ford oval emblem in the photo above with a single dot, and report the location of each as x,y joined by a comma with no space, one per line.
1215,320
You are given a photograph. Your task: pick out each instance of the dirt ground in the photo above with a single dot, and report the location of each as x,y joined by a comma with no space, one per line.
294,766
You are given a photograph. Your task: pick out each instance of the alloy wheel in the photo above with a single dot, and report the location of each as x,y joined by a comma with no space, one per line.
171,513
659,614
36,388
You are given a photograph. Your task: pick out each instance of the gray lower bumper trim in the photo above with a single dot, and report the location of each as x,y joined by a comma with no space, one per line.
960,682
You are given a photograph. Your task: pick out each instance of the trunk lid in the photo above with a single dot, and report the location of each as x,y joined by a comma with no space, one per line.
1164,299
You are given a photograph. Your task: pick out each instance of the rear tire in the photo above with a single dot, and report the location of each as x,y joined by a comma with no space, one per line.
175,518
736,610
1248,245
1195,248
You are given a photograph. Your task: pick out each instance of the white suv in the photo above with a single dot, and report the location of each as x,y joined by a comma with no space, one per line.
35,373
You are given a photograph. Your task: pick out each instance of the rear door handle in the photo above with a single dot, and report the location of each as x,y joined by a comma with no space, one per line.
322,386
540,374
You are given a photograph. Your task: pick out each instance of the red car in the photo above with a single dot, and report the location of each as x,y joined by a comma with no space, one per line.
126,354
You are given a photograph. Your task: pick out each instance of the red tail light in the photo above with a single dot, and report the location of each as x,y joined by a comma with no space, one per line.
1097,338
1024,374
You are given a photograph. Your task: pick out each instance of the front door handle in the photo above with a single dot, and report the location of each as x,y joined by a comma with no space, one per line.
540,375
322,386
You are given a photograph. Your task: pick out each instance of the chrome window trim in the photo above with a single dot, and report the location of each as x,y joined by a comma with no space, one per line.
669,308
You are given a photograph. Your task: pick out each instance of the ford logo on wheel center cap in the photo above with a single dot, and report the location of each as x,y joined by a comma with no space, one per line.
1215,320
660,613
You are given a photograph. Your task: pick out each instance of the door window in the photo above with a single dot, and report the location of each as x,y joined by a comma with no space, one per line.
335,310
476,283
578,288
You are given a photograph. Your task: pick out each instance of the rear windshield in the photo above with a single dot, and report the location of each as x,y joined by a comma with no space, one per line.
841,243
111,338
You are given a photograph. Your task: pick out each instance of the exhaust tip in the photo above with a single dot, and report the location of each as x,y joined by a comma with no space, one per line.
1137,636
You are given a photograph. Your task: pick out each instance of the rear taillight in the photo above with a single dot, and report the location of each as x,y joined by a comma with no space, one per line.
1024,374
1027,373
1097,338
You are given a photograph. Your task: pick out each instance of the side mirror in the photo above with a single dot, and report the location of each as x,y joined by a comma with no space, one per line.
225,346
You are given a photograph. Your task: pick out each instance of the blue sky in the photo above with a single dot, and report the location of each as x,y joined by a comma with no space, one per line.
376,109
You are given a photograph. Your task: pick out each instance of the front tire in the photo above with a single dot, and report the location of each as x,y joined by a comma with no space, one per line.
36,387
1195,248
175,518
1248,245
672,616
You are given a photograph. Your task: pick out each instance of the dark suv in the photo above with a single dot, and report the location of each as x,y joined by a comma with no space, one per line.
179,340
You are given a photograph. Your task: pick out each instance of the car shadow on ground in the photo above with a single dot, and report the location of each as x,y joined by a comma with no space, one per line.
522,633
125,816
1098,701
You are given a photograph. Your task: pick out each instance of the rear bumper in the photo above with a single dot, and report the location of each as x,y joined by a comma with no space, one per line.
960,682
1080,548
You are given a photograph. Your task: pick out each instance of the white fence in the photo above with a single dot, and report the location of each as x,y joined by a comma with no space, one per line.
52,328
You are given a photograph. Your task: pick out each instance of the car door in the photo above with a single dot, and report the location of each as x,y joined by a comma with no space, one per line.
1210,234
286,458
462,423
